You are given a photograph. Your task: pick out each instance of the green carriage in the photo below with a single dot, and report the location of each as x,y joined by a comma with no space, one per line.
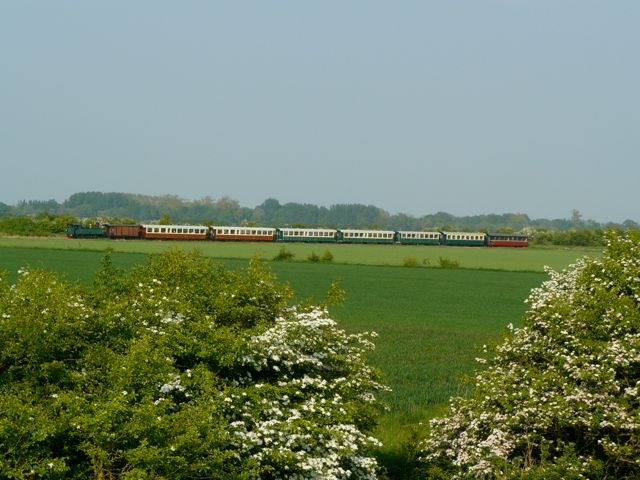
366,236
309,235
407,237
466,239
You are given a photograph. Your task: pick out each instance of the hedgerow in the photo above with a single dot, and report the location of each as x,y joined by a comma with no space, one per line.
179,369
560,396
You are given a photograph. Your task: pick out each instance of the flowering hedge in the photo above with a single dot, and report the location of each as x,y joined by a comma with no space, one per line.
560,396
179,369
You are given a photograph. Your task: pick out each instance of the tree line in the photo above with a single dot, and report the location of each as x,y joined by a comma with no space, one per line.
35,217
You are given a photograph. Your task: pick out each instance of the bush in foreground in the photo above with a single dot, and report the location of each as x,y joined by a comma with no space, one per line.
560,397
179,369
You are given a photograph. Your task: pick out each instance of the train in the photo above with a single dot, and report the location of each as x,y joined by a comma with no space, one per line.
224,233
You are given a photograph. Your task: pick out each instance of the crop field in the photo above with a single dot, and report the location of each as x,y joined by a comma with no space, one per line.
512,259
431,321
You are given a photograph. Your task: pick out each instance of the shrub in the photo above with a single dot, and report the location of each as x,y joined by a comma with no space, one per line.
326,257
179,369
283,255
313,257
410,262
559,396
445,262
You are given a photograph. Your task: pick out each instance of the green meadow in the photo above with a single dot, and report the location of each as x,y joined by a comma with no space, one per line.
512,259
431,321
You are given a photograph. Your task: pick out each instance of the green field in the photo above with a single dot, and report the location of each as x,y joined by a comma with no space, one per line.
512,259
431,321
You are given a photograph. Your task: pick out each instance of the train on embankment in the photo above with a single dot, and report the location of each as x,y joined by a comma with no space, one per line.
294,234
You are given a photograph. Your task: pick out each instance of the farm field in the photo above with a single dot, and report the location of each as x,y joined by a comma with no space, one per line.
512,259
431,322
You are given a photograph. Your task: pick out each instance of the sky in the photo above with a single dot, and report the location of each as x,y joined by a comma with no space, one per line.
461,106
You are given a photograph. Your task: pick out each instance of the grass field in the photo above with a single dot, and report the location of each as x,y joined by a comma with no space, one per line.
431,321
512,259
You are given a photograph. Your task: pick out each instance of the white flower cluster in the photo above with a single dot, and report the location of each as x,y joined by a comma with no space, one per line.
156,308
295,412
561,391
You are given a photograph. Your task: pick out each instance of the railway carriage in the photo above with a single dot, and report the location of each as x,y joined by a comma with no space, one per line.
311,235
122,231
175,232
507,240
247,234
366,236
406,237
467,239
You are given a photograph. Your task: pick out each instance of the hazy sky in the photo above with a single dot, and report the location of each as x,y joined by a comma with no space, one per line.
462,106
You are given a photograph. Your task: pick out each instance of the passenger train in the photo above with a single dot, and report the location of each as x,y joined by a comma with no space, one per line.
291,234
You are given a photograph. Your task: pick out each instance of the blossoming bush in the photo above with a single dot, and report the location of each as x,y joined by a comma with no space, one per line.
560,396
179,369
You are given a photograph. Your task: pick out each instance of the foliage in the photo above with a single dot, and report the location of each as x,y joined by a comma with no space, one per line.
574,237
42,225
560,395
179,368
326,257
313,257
410,261
283,254
226,211
165,219
446,262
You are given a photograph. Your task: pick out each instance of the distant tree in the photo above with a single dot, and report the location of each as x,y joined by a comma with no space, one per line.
266,211
4,209
576,217
165,219
32,207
